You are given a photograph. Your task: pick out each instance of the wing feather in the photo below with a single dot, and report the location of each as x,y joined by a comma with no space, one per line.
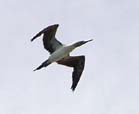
77,62
50,43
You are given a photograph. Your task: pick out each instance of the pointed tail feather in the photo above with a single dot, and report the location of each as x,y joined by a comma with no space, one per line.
38,68
44,64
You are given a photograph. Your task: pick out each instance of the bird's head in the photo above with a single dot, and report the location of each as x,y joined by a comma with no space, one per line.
77,44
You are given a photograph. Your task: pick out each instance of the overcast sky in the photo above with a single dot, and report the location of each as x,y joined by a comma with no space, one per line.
110,81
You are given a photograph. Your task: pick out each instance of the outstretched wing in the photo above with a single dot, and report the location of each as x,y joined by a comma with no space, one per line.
49,41
77,62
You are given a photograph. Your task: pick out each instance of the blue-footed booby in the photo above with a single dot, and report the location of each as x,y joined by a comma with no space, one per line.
60,53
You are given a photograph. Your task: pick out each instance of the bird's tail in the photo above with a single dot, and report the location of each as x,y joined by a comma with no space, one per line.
44,64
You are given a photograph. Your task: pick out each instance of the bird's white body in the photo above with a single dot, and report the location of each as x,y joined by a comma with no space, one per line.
60,53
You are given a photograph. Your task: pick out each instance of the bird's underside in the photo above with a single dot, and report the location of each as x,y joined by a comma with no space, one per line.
51,44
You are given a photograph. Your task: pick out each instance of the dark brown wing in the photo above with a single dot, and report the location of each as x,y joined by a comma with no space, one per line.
49,41
77,62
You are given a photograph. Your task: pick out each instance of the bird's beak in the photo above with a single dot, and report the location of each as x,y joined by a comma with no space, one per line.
88,40
84,42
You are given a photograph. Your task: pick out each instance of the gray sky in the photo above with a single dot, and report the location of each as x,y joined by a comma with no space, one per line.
109,83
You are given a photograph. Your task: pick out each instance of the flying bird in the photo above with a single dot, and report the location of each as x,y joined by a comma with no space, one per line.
59,53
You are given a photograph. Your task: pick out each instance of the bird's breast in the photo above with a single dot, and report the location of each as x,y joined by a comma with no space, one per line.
60,53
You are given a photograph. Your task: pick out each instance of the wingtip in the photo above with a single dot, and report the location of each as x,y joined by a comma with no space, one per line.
73,89
34,70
